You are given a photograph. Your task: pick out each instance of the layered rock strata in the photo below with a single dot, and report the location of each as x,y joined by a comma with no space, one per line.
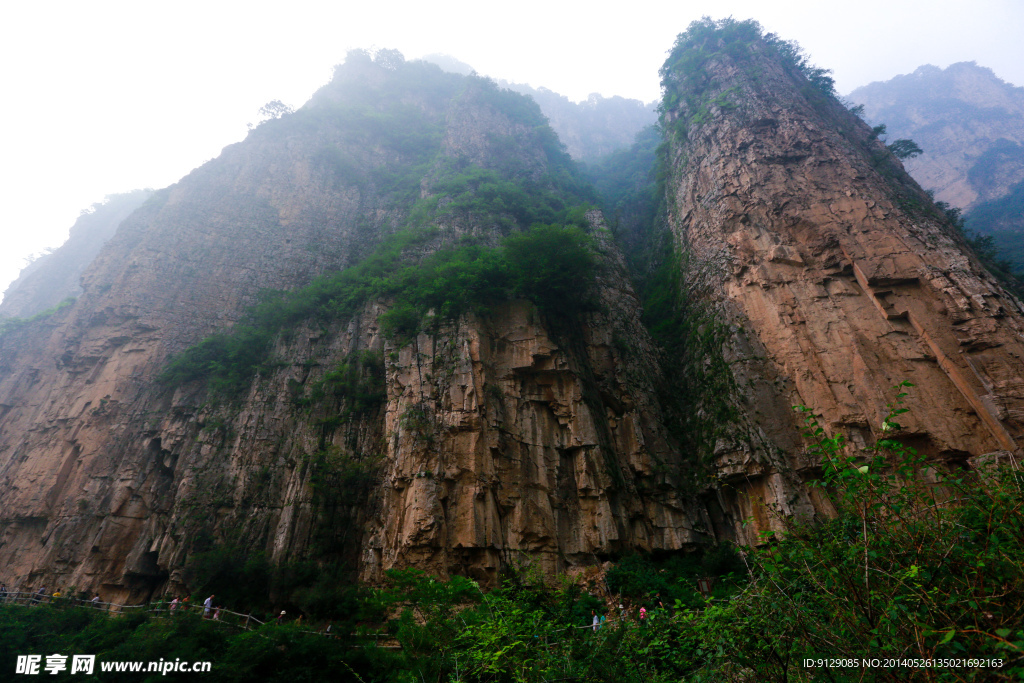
499,440
839,279
505,438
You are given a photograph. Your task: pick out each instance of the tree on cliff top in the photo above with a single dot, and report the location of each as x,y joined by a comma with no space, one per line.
707,38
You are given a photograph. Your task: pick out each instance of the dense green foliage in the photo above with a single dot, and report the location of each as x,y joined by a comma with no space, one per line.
672,580
545,264
273,653
358,381
686,81
907,569
249,582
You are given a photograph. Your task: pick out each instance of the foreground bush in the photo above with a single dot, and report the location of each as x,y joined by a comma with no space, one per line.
918,564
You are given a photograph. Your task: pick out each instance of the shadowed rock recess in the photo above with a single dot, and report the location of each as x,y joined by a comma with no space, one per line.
431,386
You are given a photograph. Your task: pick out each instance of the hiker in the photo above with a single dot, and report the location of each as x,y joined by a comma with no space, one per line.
595,622
216,614
95,602
601,624
39,595
3,591
207,606
280,617
174,605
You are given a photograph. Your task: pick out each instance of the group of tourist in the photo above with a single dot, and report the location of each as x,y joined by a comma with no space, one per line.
178,604
210,611
42,595
597,621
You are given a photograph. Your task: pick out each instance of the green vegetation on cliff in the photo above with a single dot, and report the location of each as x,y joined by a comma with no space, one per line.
697,387
686,81
12,324
543,264
513,229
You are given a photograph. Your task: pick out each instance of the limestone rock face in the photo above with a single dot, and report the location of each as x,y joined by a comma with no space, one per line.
503,438
507,443
839,280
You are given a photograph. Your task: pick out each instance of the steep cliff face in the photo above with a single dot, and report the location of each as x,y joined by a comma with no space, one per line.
838,277
434,389
52,278
969,123
495,436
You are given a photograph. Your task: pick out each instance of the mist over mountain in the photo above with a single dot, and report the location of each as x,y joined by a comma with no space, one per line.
54,277
398,364
589,129
970,125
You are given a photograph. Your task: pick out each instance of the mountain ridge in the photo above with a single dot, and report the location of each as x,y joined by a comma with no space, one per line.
392,330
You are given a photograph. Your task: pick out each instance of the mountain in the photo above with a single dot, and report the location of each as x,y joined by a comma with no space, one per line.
837,276
594,127
392,330
428,390
1002,221
53,277
969,123
589,129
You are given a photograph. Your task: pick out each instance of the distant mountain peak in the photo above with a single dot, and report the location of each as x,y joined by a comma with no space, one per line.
956,115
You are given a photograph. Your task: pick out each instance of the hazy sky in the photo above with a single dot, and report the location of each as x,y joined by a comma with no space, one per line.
104,97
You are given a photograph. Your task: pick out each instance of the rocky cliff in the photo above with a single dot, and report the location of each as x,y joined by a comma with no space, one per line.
453,373
838,277
486,437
